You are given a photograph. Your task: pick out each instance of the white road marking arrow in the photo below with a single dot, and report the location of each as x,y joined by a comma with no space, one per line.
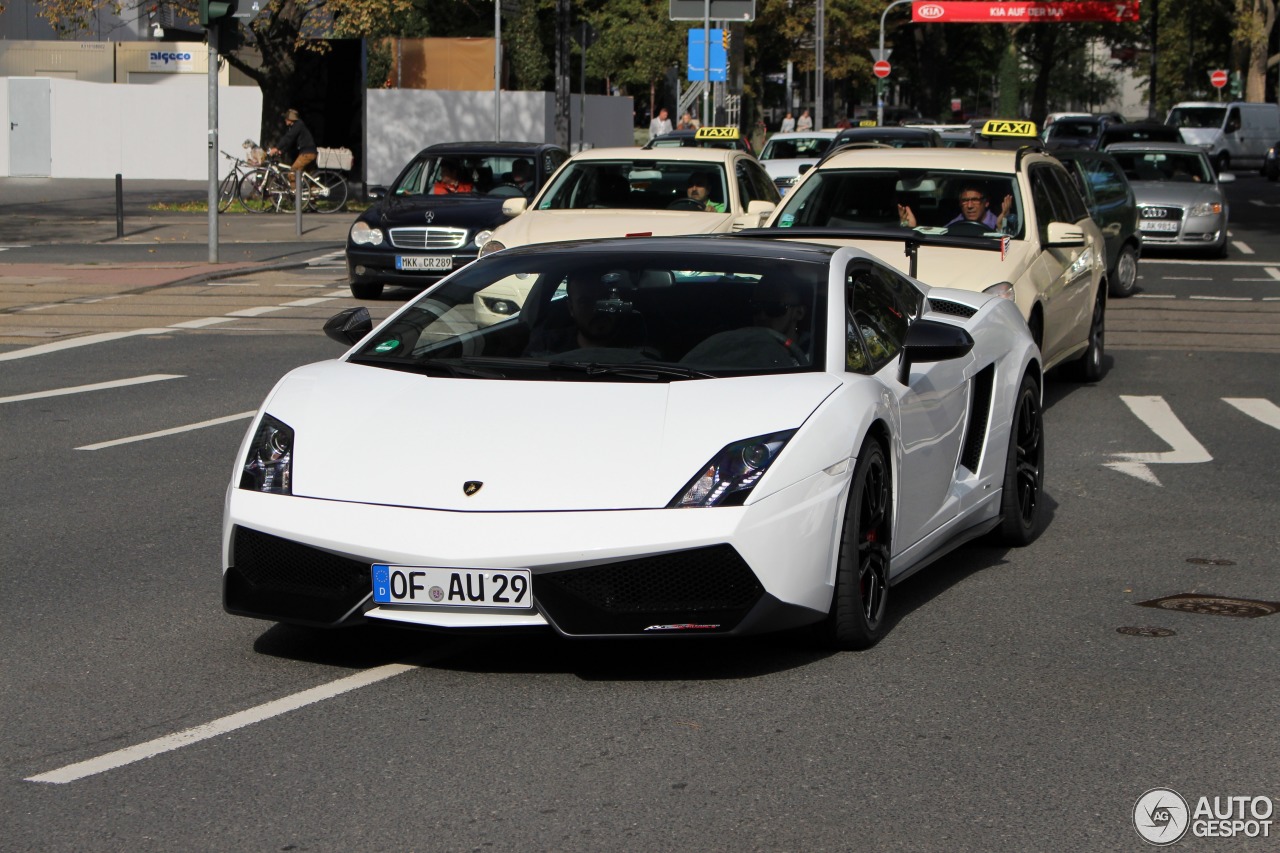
1259,409
1156,414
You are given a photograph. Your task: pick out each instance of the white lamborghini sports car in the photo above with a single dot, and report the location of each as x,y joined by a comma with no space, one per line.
674,436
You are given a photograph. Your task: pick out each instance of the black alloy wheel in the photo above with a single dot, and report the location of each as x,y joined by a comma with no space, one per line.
1023,468
857,616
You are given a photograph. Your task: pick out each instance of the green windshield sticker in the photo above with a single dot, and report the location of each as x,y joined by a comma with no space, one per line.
387,346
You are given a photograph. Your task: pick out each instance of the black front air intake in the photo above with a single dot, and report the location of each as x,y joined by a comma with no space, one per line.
703,586
275,578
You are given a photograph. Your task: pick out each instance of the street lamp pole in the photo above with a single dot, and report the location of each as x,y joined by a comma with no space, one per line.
880,56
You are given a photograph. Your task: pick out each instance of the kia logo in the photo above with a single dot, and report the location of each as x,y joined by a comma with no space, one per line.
929,10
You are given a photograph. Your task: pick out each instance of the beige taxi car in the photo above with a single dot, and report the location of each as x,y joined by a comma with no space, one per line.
630,192
1009,222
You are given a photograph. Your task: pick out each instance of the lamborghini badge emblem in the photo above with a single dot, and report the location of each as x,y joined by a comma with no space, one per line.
470,487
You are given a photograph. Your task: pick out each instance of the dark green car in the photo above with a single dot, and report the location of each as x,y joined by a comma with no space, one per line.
1112,205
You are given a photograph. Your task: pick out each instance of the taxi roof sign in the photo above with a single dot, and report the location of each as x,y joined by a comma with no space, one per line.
718,133
1007,127
868,122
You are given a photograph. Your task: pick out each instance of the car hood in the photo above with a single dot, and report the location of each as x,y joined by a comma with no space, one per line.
1184,194
548,226
1202,136
456,211
377,436
941,266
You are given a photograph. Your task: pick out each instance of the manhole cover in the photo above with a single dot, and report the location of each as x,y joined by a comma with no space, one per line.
1209,561
1213,605
1144,631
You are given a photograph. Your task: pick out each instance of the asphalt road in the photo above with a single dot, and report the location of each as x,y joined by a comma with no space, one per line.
1005,710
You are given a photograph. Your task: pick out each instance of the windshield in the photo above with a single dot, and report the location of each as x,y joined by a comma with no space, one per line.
1065,128
639,316
1164,166
796,147
918,198
634,184
466,174
1196,117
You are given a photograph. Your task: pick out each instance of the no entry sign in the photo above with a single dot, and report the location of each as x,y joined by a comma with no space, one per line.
1218,78
882,68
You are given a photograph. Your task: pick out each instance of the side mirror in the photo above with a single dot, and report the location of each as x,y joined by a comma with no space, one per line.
377,192
1226,177
804,167
1065,234
514,206
929,341
349,325
760,208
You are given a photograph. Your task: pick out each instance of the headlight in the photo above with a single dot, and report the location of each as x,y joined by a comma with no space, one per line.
1207,208
482,237
731,475
268,466
500,306
489,247
364,234
1004,290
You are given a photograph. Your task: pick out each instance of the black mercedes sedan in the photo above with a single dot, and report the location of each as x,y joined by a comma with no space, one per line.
425,225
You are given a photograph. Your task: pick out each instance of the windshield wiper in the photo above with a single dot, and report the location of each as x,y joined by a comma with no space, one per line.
426,366
647,370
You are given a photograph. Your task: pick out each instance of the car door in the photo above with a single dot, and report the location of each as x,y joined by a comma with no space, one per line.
1063,275
930,410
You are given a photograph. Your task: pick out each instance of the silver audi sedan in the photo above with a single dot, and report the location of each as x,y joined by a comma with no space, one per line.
1181,203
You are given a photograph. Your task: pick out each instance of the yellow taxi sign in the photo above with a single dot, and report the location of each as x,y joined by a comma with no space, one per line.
1006,127
717,133
868,122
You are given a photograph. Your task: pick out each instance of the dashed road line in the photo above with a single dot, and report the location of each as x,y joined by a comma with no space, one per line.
171,431
97,386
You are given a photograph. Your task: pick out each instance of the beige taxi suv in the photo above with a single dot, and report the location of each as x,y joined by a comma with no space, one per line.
1009,222
630,192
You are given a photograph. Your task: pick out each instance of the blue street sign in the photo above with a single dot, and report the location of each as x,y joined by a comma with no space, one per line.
718,62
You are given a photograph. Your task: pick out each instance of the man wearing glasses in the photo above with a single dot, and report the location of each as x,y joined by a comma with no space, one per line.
974,207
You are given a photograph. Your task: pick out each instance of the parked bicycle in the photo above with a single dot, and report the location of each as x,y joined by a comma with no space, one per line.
269,189
229,189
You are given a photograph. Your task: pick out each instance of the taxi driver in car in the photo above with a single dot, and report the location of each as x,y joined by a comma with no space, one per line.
974,207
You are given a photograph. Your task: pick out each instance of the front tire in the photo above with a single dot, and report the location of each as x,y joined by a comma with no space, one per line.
858,606
1023,469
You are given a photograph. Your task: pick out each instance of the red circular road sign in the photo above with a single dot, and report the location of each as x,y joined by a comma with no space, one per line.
881,68
1218,78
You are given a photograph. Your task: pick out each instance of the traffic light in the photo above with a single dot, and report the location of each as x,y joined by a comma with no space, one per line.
212,12
1237,85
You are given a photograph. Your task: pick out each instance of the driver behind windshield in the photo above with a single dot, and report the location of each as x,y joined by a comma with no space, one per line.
700,191
974,207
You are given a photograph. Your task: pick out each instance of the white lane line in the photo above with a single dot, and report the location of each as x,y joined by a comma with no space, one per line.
97,386
1154,296
305,303
201,323
1274,272
1160,419
131,754
256,312
1257,408
71,343
1185,278
1243,248
171,431
1223,298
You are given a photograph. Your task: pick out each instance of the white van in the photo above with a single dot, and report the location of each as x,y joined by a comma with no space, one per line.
1235,133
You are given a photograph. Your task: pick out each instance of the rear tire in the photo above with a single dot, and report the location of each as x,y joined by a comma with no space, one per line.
330,196
1023,469
1124,279
861,597
1088,367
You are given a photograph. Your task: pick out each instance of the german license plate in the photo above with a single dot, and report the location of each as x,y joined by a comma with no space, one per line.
452,587
1158,225
424,262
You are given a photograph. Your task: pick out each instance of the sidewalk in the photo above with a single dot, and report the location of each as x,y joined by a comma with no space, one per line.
72,233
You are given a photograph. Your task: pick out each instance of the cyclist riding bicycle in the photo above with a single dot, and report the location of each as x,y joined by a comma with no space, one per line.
298,140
